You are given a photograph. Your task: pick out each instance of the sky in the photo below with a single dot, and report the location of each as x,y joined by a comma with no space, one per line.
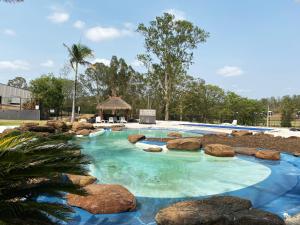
253,48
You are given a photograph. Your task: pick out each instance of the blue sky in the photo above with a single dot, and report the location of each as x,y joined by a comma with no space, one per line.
254,47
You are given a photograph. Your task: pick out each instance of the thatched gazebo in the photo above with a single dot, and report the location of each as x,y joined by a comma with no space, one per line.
114,104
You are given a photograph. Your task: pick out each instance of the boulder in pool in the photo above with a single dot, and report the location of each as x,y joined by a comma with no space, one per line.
191,144
153,149
268,155
219,150
245,151
240,133
84,132
134,138
81,126
81,180
175,134
221,210
104,199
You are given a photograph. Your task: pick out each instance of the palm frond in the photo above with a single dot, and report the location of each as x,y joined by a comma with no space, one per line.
34,167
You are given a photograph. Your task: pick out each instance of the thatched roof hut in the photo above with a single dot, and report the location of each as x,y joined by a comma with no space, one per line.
114,103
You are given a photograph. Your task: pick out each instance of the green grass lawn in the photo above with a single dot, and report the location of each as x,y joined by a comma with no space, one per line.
19,122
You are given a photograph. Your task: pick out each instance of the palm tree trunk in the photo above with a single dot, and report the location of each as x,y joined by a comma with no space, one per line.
74,94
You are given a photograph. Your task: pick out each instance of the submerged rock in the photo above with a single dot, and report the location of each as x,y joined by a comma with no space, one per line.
104,199
219,150
81,180
153,149
134,138
268,154
175,134
221,210
191,144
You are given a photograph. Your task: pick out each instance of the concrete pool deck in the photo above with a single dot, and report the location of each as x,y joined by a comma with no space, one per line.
178,125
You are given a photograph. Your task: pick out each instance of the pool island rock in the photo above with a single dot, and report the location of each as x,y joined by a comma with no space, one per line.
104,199
188,144
220,210
134,138
219,150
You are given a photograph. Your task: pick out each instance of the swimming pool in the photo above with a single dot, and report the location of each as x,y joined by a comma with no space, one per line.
160,179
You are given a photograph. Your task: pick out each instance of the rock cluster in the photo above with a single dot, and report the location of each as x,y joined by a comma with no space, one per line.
221,210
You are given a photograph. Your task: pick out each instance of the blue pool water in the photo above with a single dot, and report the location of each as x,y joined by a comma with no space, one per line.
261,129
160,179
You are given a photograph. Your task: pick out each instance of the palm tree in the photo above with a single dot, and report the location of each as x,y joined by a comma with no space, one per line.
34,169
78,54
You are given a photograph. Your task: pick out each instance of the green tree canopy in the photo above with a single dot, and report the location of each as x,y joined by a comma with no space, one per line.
48,91
169,44
18,82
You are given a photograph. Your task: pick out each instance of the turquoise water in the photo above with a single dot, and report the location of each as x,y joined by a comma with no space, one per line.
171,174
161,179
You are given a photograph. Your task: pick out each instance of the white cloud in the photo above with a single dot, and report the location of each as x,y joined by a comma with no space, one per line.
58,16
14,65
179,15
48,63
230,71
98,34
104,61
9,32
79,24
137,63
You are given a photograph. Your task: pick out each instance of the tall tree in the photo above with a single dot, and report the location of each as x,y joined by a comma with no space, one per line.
78,55
48,91
169,44
18,82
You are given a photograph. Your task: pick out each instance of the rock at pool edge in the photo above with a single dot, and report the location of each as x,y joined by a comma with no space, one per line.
134,138
191,144
104,199
219,150
221,210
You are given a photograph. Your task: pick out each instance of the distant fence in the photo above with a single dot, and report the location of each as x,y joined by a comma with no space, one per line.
19,114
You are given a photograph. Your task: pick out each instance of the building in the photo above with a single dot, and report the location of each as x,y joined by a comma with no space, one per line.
13,101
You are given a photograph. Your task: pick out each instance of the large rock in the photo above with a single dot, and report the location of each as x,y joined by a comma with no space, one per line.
81,180
245,151
104,199
83,132
256,217
58,125
211,211
219,150
134,138
191,144
215,211
268,154
175,134
153,149
43,129
240,133
81,126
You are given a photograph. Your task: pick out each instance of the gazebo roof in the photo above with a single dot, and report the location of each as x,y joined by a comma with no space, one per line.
114,103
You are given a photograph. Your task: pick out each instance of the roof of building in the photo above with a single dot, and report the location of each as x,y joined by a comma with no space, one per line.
114,103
